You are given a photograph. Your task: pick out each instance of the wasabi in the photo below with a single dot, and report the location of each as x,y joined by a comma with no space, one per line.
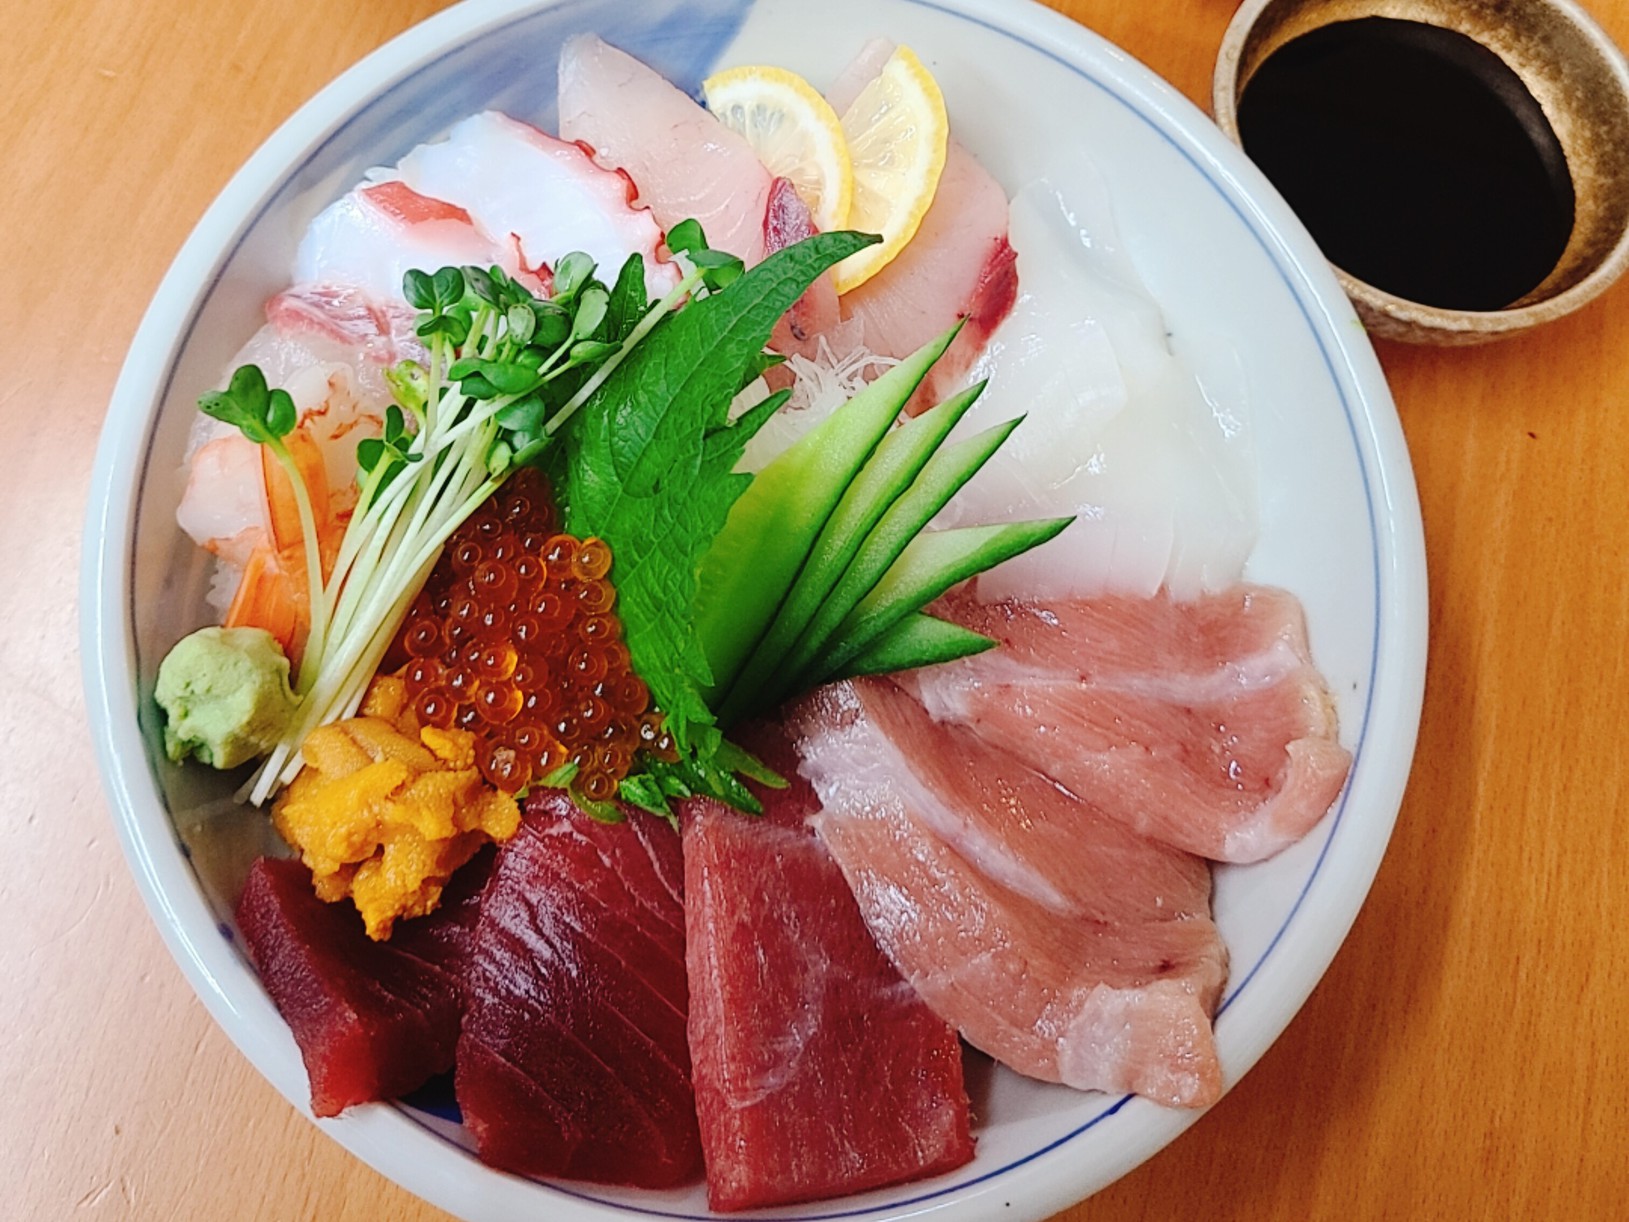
225,695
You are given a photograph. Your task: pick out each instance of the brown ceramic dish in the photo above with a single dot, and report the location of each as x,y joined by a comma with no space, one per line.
1574,71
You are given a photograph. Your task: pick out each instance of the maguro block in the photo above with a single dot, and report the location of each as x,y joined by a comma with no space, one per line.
818,1070
573,1060
373,1020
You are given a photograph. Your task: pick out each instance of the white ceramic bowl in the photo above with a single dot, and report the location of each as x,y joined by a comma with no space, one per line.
1219,250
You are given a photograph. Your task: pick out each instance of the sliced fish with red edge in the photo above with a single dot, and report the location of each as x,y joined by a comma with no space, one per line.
684,163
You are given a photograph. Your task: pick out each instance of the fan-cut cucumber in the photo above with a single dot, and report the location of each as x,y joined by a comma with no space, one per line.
886,477
751,565
940,480
919,639
929,566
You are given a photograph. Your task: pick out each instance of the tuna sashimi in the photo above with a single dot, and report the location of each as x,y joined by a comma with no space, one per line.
1065,948
819,1072
373,1019
573,1060
682,160
958,266
1202,723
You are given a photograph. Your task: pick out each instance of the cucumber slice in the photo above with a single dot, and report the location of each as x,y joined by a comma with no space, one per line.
746,573
929,566
941,479
898,459
917,640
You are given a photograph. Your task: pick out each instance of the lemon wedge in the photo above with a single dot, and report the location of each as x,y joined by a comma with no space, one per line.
897,132
794,131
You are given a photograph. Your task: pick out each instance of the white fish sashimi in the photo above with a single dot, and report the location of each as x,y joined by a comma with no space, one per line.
548,195
1119,431
959,265
684,162
372,236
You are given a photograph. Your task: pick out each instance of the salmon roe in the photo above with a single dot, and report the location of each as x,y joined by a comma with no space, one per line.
516,639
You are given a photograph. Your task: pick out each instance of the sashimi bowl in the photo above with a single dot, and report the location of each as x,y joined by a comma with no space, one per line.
1337,522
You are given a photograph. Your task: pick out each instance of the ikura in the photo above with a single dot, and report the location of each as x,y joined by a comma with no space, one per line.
515,638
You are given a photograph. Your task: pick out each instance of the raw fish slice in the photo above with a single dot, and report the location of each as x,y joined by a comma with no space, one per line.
1204,724
1119,431
815,313
547,196
370,237
1042,984
373,1020
573,1059
819,1072
683,161
958,266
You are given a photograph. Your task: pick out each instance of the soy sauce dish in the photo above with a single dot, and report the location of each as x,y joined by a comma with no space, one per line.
1232,268
1465,167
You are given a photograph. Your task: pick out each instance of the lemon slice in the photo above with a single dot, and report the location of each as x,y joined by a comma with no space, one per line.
897,131
794,131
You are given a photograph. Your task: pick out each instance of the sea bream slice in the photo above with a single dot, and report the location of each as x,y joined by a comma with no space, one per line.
958,266
547,196
1203,723
370,237
684,162
572,1060
819,1072
1067,948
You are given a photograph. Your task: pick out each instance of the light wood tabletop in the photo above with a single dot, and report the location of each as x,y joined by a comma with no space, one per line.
1466,1056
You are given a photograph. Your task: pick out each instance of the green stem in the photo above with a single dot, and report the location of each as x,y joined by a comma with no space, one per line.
316,595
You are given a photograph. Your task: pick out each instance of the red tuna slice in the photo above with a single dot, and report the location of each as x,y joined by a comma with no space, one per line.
682,160
1203,723
572,1061
819,1072
1065,949
958,266
814,314
372,1020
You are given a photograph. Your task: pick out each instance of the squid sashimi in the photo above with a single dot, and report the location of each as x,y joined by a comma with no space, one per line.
684,162
1156,465
958,266
376,233
1201,723
818,1070
1063,947
546,196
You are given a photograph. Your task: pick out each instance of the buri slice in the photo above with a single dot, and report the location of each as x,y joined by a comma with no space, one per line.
372,1020
573,1060
819,1072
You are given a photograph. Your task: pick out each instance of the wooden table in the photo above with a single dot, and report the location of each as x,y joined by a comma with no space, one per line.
1466,1056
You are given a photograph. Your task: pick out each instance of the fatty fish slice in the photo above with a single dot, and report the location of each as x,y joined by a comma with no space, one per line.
572,1060
547,197
373,1020
819,1072
683,162
1072,972
959,265
370,237
1202,723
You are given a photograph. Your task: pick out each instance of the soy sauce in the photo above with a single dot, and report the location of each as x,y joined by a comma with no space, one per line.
1417,159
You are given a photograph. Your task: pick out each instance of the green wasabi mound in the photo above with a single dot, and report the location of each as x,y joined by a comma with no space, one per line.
225,695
